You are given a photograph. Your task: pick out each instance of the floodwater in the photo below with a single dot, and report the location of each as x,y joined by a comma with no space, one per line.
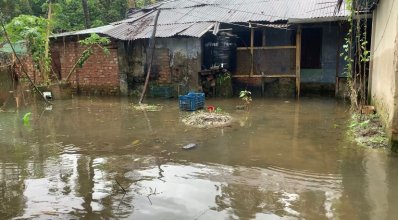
97,158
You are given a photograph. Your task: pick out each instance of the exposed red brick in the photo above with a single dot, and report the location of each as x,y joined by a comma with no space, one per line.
99,74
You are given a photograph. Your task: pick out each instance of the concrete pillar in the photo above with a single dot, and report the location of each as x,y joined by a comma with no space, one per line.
394,130
123,68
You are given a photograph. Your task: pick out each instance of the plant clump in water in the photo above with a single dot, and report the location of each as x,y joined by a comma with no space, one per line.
368,131
149,108
208,120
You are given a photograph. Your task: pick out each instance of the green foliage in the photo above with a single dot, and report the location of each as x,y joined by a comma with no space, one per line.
93,40
68,14
246,97
32,30
26,118
225,77
368,131
14,8
85,55
356,61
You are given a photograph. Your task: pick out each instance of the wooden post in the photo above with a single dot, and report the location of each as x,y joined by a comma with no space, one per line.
251,48
263,43
338,61
152,52
298,60
46,72
264,40
372,50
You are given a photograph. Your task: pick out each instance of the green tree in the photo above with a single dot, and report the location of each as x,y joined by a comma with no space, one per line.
69,14
33,31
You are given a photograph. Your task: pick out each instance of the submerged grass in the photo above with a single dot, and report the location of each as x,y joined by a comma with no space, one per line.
146,107
203,119
368,131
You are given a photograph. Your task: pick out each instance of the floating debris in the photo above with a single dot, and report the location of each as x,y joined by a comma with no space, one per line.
136,142
208,120
240,107
149,108
189,146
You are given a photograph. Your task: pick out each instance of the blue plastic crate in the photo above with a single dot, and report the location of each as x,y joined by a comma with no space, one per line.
192,101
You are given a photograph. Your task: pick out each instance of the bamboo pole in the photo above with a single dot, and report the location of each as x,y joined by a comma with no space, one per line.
337,86
298,60
152,51
46,73
20,62
263,43
251,48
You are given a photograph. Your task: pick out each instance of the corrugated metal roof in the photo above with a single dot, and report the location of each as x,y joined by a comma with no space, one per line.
196,17
97,30
259,10
197,29
132,31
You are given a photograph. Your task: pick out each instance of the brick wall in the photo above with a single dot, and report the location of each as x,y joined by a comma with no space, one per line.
162,61
100,73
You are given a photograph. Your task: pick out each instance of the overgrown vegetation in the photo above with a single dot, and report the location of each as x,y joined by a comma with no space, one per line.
246,97
33,31
368,131
69,14
366,128
147,107
357,55
202,119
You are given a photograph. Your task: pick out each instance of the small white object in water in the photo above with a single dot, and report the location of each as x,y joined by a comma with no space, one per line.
48,95
189,146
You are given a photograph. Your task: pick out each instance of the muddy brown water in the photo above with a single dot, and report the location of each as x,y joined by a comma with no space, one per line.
280,160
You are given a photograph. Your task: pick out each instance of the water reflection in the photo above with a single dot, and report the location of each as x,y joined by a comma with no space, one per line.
98,158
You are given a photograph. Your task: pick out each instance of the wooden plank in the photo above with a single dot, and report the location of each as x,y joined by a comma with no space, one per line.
267,48
298,60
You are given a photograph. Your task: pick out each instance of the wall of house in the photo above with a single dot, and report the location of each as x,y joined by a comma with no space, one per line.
283,61
99,74
176,62
384,81
330,42
185,59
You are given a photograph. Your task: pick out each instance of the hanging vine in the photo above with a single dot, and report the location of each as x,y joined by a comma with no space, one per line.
356,55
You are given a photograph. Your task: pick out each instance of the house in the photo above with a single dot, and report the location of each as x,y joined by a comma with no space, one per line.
275,47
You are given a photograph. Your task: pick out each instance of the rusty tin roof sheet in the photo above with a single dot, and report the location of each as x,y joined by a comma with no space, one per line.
194,18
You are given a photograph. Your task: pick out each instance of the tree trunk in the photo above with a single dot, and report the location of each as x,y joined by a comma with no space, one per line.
87,22
47,62
152,42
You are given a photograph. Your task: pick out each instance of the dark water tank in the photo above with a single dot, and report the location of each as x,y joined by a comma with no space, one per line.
220,51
